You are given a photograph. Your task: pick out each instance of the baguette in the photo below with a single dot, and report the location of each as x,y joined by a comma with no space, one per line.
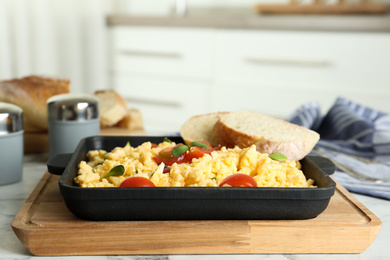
31,93
269,134
112,107
201,127
132,120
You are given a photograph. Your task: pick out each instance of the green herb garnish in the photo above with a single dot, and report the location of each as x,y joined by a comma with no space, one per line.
167,140
179,150
198,144
116,171
127,144
278,157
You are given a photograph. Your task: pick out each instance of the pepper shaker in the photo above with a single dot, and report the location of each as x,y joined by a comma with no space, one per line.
72,117
11,143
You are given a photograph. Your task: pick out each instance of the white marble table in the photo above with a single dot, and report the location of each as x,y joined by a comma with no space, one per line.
13,196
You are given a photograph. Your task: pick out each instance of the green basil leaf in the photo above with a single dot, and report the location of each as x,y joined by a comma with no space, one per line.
278,157
198,144
179,150
167,140
116,171
127,144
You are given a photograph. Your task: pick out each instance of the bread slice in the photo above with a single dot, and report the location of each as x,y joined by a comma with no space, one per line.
112,107
201,127
31,94
132,120
269,134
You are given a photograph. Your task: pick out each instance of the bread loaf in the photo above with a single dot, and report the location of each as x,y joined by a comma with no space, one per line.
132,120
269,134
31,93
112,107
201,127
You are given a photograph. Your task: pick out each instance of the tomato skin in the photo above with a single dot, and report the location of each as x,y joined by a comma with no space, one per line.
217,148
239,180
208,149
165,156
196,152
193,153
137,181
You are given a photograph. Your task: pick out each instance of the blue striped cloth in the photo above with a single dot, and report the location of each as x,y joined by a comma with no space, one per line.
352,129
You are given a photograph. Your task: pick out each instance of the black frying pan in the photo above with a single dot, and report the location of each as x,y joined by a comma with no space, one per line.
188,203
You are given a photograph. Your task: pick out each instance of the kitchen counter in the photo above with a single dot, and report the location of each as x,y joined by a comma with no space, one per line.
250,21
13,196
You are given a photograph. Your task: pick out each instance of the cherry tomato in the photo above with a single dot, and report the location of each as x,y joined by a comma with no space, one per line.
239,180
137,181
217,148
165,156
198,152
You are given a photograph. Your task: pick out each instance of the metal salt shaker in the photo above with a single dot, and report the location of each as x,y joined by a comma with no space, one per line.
11,143
72,117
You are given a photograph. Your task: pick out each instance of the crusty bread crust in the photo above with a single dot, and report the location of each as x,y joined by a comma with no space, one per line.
200,127
31,93
112,107
132,120
230,137
270,135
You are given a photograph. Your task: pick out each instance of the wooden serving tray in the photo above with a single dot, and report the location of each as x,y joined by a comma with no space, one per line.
46,227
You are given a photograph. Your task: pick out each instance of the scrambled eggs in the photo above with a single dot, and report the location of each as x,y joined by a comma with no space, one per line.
209,170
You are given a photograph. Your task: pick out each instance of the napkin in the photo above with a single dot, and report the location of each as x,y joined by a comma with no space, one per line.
357,139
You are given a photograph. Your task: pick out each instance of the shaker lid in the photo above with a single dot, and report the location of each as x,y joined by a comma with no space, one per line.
11,118
72,107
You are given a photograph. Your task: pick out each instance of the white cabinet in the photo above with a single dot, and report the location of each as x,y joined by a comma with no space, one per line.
166,73
274,72
171,74
164,103
163,52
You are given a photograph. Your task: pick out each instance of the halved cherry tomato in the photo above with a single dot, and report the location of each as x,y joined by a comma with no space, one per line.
239,180
217,148
165,156
137,181
198,152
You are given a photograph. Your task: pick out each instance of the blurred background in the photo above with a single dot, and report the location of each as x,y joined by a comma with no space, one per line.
175,59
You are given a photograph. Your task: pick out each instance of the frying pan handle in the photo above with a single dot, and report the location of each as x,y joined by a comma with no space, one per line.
324,163
57,163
